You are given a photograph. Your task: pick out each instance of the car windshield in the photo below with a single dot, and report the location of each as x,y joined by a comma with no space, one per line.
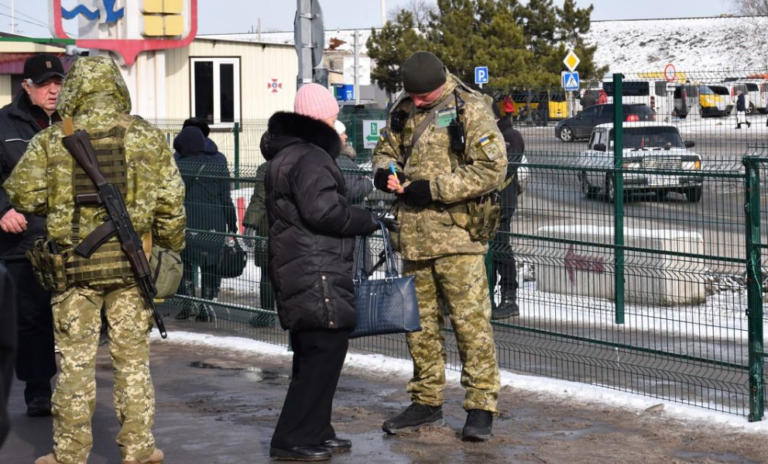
651,137
720,90
706,91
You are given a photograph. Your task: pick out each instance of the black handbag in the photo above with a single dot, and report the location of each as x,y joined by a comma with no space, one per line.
232,260
384,306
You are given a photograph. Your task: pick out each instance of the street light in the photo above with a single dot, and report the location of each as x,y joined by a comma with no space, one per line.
383,12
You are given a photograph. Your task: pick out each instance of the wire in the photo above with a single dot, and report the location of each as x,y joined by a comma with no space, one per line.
18,13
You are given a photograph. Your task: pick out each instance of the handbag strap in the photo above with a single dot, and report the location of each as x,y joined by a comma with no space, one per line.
389,254
359,274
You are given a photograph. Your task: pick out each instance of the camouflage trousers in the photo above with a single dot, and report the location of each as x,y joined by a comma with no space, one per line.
77,321
460,283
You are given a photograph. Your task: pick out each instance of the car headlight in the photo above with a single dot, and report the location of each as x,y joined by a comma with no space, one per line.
632,165
692,165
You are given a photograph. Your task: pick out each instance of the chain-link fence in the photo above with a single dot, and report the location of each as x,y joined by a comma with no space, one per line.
634,250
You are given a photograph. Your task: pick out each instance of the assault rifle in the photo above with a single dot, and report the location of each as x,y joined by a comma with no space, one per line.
119,223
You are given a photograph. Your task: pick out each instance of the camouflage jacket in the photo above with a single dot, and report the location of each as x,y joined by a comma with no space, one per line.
96,98
454,179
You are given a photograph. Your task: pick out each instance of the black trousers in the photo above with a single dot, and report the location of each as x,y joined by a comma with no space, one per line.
35,357
7,346
318,357
504,264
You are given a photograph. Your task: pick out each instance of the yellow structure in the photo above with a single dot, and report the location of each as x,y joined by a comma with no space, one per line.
162,18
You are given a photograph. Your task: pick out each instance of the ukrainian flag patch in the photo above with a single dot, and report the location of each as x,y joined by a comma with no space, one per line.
484,141
383,135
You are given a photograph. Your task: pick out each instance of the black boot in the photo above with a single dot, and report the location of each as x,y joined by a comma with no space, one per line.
414,417
337,445
478,426
206,311
738,126
300,453
190,307
507,308
39,407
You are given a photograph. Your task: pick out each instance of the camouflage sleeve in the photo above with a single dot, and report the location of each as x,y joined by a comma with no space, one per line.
27,186
255,214
485,158
386,151
170,219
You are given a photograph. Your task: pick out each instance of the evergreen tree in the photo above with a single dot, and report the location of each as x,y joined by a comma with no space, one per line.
390,47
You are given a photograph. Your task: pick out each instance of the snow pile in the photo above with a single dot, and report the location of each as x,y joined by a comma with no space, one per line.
690,44
546,387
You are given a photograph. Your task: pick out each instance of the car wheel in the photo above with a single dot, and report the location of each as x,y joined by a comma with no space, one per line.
694,194
610,189
566,134
751,109
587,189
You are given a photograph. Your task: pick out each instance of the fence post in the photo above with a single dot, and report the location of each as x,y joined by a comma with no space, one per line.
618,188
754,290
237,155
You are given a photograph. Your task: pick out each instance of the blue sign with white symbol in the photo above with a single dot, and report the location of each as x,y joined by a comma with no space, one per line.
106,11
481,75
570,81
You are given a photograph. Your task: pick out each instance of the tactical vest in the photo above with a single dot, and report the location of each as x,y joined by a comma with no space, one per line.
108,262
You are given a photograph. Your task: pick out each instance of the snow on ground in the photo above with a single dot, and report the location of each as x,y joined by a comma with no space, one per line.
379,365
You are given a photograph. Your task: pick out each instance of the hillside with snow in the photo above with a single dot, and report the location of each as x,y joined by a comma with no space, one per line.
692,44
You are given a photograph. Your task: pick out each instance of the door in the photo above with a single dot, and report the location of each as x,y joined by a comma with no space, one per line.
586,121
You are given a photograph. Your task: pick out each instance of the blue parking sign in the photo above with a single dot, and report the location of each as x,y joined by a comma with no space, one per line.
481,75
570,81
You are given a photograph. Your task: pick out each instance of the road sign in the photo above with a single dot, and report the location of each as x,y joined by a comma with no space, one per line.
670,73
371,130
481,75
571,61
671,87
570,81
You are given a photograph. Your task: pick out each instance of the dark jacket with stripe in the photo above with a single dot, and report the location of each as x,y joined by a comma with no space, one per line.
18,124
515,151
312,228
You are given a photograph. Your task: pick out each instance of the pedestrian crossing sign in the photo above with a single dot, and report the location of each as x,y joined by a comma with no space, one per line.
570,81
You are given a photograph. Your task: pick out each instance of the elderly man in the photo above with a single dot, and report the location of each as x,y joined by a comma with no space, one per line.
33,110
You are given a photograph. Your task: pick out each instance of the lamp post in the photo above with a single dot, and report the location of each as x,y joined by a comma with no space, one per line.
383,12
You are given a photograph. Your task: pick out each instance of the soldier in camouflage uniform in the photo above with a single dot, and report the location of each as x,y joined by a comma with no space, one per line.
435,185
134,156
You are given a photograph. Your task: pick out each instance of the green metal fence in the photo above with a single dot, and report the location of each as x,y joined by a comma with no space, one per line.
638,255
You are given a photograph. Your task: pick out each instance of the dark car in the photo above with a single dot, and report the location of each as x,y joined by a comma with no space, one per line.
581,125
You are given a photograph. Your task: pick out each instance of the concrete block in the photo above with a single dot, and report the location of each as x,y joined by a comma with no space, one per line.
650,279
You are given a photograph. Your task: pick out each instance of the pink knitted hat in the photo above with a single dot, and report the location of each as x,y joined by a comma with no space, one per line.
315,101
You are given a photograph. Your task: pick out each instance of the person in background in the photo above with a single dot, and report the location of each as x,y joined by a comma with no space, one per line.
544,108
7,347
741,110
209,207
32,110
358,186
312,231
504,264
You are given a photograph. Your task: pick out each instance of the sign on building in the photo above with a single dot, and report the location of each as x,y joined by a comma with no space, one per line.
371,129
143,25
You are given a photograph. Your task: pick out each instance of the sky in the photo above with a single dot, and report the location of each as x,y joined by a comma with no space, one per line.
233,16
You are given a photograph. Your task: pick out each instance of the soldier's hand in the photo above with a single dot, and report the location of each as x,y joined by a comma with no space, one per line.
417,193
394,185
382,178
13,222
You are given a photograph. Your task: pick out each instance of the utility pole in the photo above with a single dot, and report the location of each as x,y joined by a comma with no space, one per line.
13,16
357,67
303,40
383,12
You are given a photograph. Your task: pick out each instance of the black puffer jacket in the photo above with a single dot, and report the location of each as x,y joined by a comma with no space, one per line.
206,178
311,225
18,124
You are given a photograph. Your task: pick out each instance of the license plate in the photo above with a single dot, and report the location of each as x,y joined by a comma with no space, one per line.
656,181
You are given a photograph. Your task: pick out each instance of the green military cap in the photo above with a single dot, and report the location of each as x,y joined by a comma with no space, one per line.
423,72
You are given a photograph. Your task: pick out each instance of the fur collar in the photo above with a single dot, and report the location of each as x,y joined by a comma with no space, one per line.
287,128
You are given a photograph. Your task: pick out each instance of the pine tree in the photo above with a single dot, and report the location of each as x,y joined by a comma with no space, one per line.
390,47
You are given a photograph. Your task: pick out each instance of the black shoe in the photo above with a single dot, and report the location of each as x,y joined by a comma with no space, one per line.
188,311
478,426
39,407
337,445
415,416
300,453
507,308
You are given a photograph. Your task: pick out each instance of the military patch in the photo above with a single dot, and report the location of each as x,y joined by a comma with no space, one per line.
488,146
383,135
485,140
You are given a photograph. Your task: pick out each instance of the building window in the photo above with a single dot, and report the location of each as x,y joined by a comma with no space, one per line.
216,90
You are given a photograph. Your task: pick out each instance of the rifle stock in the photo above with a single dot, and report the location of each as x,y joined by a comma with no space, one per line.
79,146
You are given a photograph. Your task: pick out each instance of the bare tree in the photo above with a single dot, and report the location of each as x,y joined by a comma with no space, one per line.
751,7
421,10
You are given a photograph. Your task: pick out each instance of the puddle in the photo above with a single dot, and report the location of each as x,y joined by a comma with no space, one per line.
253,374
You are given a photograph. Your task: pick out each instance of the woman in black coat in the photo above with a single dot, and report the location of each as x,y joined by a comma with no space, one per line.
209,207
312,232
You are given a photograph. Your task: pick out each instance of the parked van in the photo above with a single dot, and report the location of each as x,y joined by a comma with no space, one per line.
558,103
723,99
648,92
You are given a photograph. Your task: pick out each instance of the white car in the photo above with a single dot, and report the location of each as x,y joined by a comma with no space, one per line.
648,147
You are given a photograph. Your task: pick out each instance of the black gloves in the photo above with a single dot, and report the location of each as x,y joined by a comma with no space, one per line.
381,178
418,194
